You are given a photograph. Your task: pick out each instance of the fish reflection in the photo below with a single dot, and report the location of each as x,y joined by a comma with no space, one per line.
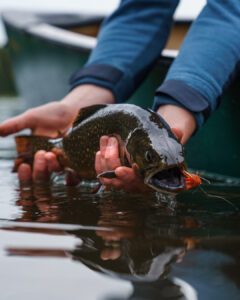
130,237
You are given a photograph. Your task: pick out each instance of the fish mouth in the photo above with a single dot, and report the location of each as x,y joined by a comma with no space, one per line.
169,180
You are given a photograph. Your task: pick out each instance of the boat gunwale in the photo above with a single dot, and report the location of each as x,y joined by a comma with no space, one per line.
60,36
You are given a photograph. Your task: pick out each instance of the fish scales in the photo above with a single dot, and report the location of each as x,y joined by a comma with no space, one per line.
144,136
103,122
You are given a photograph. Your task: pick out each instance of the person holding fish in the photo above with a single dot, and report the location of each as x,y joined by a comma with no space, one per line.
129,43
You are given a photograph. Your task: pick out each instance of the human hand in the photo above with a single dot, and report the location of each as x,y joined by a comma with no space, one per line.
47,120
182,124
108,159
180,120
53,117
50,120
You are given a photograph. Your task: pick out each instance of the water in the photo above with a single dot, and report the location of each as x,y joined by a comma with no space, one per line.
59,242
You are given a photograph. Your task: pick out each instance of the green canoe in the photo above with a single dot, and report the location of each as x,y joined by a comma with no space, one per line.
46,49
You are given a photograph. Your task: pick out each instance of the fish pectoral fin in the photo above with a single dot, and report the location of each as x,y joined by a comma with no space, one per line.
98,189
27,146
107,174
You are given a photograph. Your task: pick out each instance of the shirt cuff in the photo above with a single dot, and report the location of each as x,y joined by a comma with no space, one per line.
180,94
107,76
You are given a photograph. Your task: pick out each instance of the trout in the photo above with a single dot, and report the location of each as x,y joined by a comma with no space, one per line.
145,142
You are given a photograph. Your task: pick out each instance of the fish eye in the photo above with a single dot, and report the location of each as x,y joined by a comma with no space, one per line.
148,156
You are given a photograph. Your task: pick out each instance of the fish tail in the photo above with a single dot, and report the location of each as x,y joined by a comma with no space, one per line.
27,146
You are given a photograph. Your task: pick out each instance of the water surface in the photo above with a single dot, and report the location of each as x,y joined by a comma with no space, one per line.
59,242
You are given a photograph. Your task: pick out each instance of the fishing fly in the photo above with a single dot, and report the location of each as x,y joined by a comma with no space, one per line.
194,180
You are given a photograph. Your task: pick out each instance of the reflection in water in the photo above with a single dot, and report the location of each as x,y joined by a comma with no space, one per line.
183,253
167,250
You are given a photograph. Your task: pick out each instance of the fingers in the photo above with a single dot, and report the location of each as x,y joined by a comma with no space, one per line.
108,156
103,145
125,174
108,159
45,120
112,160
52,162
40,169
132,182
44,164
15,124
24,173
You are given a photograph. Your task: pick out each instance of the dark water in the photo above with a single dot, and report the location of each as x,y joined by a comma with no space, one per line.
59,242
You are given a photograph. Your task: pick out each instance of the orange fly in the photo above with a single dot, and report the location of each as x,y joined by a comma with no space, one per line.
191,179
194,180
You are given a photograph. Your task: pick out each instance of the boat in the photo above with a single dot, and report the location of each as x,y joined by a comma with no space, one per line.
45,49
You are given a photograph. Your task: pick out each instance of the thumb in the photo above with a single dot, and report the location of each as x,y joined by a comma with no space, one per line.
178,133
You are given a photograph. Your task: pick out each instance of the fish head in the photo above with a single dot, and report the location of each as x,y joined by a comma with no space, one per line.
159,157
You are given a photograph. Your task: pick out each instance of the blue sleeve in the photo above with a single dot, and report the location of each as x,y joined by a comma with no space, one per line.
129,43
208,60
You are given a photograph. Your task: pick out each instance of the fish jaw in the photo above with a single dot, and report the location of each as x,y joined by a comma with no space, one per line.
170,180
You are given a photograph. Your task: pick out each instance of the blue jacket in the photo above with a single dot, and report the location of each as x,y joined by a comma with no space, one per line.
132,38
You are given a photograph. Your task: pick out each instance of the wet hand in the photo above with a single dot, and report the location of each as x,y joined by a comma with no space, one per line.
53,117
44,164
107,159
46,120
50,120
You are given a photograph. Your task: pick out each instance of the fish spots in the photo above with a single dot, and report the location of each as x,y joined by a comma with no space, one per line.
82,144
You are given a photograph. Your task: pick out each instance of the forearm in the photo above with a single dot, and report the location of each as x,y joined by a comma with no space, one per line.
207,59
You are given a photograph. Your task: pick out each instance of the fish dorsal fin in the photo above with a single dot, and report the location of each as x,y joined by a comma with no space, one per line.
86,112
